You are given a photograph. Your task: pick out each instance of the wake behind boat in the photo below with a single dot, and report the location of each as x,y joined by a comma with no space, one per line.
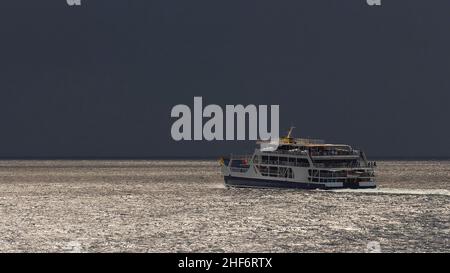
300,163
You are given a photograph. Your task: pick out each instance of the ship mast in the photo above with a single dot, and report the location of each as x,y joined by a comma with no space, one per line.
290,132
289,139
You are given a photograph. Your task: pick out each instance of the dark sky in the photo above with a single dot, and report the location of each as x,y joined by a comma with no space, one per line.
100,80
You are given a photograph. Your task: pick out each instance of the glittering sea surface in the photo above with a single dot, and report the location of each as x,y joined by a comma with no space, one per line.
182,206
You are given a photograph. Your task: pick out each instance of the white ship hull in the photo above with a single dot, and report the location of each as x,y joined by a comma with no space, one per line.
243,182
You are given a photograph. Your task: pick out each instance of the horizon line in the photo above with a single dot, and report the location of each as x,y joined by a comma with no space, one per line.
406,158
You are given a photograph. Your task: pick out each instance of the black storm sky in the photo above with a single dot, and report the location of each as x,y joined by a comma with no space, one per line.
99,80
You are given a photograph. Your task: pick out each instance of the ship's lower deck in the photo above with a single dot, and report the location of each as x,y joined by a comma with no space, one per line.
234,181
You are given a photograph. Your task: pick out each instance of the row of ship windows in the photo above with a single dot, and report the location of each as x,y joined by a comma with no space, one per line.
343,180
279,160
323,173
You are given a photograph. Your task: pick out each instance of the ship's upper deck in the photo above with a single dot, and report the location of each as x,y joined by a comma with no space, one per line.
293,143
316,148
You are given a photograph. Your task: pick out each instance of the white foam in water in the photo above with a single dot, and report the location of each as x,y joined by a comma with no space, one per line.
398,191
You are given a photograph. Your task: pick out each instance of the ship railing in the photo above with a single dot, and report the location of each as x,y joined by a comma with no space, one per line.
280,164
338,165
287,152
282,172
339,174
295,141
342,177
335,153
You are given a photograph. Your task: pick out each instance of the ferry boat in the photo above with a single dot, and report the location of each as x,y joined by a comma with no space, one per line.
300,163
